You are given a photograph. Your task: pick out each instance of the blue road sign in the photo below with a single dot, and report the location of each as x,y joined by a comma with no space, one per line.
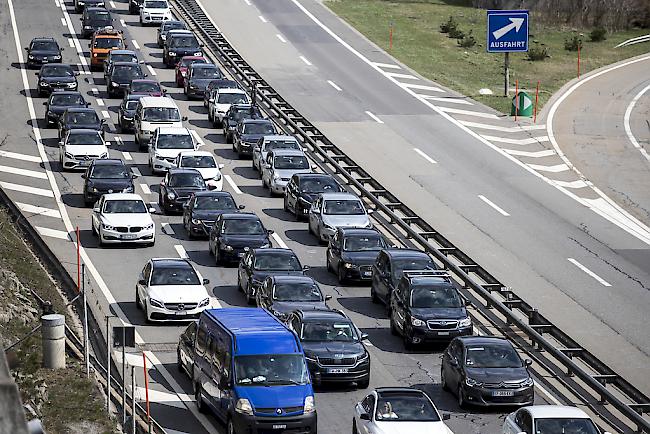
507,31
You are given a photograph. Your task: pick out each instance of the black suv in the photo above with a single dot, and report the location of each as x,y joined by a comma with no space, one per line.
126,114
176,188
56,77
80,118
427,307
332,346
388,268
234,115
282,294
303,189
110,175
248,132
94,19
235,233
178,45
203,208
59,102
43,50
119,76
258,264
352,251
165,27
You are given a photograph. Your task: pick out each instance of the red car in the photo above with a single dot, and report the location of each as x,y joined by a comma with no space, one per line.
183,65
145,87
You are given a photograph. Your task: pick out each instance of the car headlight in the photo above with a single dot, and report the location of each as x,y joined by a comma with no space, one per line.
276,176
128,190
87,27
57,57
183,73
172,53
472,382
309,405
243,406
107,227
30,57
72,84
227,248
171,196
196,221
94,190
193,86
198,53
311,359
527,383
363,357
94,54
156,303
148,227
115,84
44,84
416,322
465,322
204,302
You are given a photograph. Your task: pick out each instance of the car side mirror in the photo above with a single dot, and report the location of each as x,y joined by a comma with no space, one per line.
88,45
364,336
184,118
146,75
26,48
164,91
446,416
45,103
364,416
271,231
370,211
241,206
83,176
87,104
211,186
528,362
152,210
221,166
96,209
328,297
206,281
305,267
142,282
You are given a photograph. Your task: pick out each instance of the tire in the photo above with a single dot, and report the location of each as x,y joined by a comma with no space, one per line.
199,400
285,204
138,303
101,242
354,427
210,252
393,327
443,381
373,296
92,229
179,364
218,260
364,384
230,427
408,343
461,399
341,275
146,313
328,263
240,288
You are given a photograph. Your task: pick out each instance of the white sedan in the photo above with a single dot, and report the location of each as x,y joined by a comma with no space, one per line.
171,290
549,419
165,145
398,410
80,147
123,218
205,163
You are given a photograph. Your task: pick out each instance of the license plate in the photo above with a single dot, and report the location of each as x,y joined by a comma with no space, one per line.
367,273
241,255
337,371
129,236
443,333
503,393
279,427
181,313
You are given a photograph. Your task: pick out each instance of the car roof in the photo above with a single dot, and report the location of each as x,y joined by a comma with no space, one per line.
192,57
178,32
52,65
171,262
280,137
66,92
123,196
322,314
144,80
288,152
256,121
240,216
405,253
122,52
108,161
134,97
203,65
483,340
196,154
292,278
339,196
123,63
172,22
95,8
158,101
81,110
231,90
174,130
314,175
272,250
553,411
179,170
42,38
358,231
212,193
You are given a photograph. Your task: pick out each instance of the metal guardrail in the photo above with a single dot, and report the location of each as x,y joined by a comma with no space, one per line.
515,316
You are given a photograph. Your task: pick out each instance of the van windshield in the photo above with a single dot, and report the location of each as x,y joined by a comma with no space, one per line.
161,114
270,369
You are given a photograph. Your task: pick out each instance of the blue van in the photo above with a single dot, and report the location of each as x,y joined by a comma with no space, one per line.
250,370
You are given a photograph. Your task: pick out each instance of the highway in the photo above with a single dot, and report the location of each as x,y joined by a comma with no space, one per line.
520,227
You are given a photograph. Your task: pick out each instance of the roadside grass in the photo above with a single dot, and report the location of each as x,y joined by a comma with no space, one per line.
418,43
64,400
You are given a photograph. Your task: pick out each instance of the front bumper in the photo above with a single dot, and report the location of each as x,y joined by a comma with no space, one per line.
127,123
157,18
277,186
358,272
299,424
98,60
78,162
118,237
339,374
245,148
162,164
56,87
423,334
485,396
201,228
172,312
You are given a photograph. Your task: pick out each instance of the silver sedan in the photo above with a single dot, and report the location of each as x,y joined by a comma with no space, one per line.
333,210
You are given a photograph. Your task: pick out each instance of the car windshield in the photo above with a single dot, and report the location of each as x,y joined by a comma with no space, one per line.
499,355
259,128
243,227
214,203
206,72
174,276
161,114
324,330
290,162
131,104
57,71
199,162
406,264
174,141
565,426
232,98
273,262
67,100
344,207
44,46
186,180
270,369
269,145
432,297
112,171
173,25
100,18
108,42
124,207
405,408
156,4
127,72
124,58
297,291
145,86
81,118
85,139
319,185
360,243
188,62
246,113
188,41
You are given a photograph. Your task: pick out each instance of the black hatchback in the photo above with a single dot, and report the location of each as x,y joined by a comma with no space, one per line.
333,347
105,176
235,233
54,77
42,51
203,208
59,102
258,264
352,251
303,189
282,294
486,371
176,188
80,118
120,75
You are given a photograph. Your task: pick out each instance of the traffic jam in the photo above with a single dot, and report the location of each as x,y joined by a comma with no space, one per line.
257,368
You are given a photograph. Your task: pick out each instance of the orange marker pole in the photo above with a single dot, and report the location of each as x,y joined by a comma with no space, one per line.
390,38
146,390
578,60
536,100
516,99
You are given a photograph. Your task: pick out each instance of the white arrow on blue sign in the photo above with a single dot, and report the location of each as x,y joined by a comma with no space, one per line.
507,31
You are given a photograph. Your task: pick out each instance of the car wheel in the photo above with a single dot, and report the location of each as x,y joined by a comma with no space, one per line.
373,295
210,251
179,362
240,288
393,327
138,303
285,204
146,313
327,262
309,229
228,138
210,118
461,398
363,384
234,148
217,256
341,275
443,381
354,427
199,399
101,241
231,427
92,229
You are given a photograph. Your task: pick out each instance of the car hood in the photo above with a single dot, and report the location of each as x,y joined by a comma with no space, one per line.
178,293
290,306
411,428
200,82
288,173
170,153
353,221
275,396
327,349
86,149
252,241
456,313
184,191
496,375
58,79
151,93
309,197
117,184
261,275
365,257
127,219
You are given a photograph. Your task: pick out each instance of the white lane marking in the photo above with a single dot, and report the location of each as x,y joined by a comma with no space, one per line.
531,154
106,114
503,129
386,65
404,76
521,142
100,102
589,272
95,91
304,59
136,172
626,123
197,138
123,23
334,85
63,23
26,189
493,205
127,156
33,209
418,87
159,397
135,44
151,70
552,169
112,4
71,42
214,301
119,141
167,229
232,184
145,188
248,2
131,359
23,172
181,251
17,156
374,117
468,113
572,184
53,233
279,36
279,240
262,19
461,101
425,156
57,4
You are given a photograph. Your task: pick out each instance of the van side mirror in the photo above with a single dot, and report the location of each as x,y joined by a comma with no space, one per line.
96,209
184,118
241,206
364,416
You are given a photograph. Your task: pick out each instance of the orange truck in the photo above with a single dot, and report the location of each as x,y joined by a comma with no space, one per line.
101,43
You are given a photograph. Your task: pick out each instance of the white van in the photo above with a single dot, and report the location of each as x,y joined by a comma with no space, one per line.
155,112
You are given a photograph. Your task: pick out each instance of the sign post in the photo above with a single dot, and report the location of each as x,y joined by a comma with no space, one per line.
124,336
507,32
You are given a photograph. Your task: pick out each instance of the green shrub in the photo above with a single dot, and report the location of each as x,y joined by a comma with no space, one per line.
598,34
467,41
573,44
450,25
537,54
456,34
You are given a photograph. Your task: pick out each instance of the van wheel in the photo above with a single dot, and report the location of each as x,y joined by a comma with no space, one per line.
231,427
199,399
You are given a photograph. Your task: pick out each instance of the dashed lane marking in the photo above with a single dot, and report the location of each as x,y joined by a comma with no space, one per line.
23,157
131,359
589,272
248,2
167,229
468,112
119,141
626,123
262,19
127,156
106,114
145,188
531,154
404,76
53,233
159,397
420,87
502,129
26,189
425,156
521,142
112,4
334,85
100,102
232,184
151,70
304,59
181,251
123,23
279,240
71,42
387,65
135,44
39,210
279,36
63,23
374,117
136,171
552,169
447,100
493,205
197,138
94,90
